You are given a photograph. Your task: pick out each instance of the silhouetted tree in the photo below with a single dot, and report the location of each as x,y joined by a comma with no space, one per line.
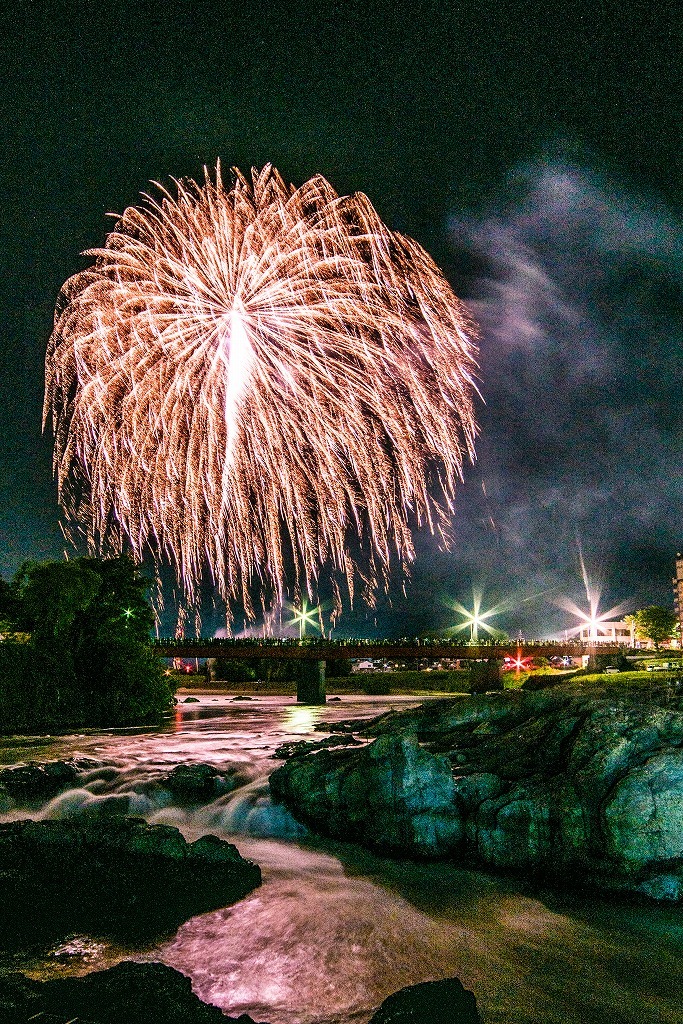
89,660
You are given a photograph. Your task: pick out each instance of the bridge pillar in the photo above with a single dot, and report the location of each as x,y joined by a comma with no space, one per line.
310,689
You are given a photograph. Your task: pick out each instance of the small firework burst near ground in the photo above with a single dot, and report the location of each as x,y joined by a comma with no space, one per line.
261,380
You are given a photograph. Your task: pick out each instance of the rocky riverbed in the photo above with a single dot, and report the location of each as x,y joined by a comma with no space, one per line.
576,786
118,876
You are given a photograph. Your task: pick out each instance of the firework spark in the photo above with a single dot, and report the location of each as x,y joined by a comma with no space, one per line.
263,380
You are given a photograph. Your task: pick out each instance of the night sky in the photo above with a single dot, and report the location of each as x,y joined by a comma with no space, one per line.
535,151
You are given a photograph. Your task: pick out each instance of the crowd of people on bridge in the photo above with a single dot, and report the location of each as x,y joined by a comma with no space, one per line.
271,641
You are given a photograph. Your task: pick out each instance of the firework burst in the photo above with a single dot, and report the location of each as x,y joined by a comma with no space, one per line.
262,379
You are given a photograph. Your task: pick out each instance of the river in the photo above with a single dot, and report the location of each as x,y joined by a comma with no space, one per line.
333,930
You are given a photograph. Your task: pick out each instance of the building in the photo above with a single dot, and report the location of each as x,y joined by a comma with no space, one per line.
618,632
678,591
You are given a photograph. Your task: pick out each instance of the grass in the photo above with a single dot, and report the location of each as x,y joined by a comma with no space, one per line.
407,682
660,686
628,679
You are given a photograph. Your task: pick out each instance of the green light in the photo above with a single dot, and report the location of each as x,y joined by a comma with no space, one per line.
305,616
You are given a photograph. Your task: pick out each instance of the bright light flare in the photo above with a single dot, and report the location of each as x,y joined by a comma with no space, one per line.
475,619
518,664
305,616
592,617
263,380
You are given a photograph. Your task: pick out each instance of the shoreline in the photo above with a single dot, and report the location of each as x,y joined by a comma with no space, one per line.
289,690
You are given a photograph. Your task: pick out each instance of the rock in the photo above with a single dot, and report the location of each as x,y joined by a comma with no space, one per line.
662,887
242,697
149,993
115,876
36,782
652,793
392,795
581,787
485,676
432,1002
198,783
191,700
542,681
514,831
295,748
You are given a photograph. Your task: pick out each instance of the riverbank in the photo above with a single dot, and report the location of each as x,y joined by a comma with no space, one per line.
581,785
378,684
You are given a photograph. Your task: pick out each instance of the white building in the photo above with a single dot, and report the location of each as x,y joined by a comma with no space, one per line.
608,633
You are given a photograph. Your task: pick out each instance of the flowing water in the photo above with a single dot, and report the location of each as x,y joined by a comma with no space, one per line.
333,930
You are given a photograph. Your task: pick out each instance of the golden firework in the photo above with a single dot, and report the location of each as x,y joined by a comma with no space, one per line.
264,380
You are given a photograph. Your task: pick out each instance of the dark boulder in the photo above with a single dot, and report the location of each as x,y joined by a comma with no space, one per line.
296,748
199,783
432,1002
36,782
111,876
149,993
542,682
485,676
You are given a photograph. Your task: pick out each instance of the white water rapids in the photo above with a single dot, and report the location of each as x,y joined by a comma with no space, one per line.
333,930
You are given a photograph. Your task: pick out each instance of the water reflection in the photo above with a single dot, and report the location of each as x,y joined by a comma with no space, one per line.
301,719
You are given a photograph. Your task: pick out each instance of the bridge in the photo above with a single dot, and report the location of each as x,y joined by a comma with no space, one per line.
322,649
315,652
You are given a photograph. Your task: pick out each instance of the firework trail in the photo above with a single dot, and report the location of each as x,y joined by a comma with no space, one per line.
263,380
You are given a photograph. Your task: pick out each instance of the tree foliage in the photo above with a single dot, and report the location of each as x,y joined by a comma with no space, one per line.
233,671
88,660
655,623
10,605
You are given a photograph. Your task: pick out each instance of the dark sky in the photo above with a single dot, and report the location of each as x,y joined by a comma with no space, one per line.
534,150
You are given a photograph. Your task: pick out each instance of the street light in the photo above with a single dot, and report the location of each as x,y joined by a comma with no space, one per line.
475,619
305,616
593,618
